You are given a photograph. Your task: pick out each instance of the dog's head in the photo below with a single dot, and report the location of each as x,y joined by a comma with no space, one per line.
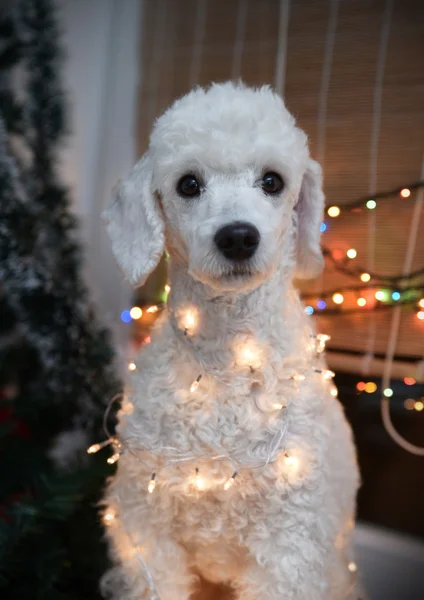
225,181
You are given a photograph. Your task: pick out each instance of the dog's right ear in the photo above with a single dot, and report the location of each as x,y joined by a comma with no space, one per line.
135,224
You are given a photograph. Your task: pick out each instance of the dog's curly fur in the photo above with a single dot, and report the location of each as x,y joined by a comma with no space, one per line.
280,532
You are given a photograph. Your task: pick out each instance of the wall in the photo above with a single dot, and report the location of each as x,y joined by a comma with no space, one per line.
101,42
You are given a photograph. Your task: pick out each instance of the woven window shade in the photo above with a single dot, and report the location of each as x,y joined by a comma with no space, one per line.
187,41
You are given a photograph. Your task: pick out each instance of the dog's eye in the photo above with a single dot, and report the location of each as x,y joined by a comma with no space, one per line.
272,183
188,186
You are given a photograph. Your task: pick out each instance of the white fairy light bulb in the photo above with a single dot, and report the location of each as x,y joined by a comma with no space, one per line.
132,366
230,482
291,461
152,484
352,566
167,288
277,405
322,339
94,448
153,309
189,321
127,408
195,384
108,517
114,458
327,374
199,481
299,377
248,354
334,391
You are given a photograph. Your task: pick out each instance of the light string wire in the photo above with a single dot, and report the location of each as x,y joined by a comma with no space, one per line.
354,272
274,451
375,137
394,331
348,208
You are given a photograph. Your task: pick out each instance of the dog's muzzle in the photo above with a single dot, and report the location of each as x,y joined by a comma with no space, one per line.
237,241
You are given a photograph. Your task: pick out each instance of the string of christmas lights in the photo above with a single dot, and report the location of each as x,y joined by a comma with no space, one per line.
370,203
341,260
170,456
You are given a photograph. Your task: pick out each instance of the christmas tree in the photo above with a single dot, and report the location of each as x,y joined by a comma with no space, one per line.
56,372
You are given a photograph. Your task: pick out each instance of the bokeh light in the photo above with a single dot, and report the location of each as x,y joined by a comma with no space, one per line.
126,316
136,312
333,211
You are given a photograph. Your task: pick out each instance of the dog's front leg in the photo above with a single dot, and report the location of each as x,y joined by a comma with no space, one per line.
150,563
292,564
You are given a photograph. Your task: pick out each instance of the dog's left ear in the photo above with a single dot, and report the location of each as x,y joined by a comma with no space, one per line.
310,209
135,224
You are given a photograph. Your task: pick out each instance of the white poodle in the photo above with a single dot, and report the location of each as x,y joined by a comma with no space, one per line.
237,462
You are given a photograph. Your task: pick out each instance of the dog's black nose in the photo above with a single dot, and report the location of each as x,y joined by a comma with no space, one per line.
237,241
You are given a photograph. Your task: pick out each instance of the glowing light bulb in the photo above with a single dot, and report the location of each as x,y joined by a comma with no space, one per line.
405,193
419,406
132,366
365,277
189,320
299,377
108,517
334,391
333,211
327,374
395,296
370,387
409,404
421,303
371,204
153,309
388,392
351,253
321,304
360,386
323,227
136,312
230,482
127,408
309,310
152,484
322,339
380,295
291,461
199,481
352,566
167,288
420,315
113,459
409,381
94,448
361,302
195,384
338,298
277,405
